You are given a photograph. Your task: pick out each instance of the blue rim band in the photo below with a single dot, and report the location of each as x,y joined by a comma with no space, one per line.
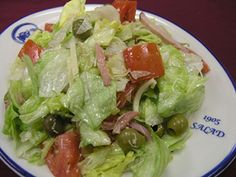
14,165
215,171
223,164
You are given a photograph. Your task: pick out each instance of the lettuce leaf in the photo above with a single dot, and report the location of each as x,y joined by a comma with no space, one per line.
10,126
117,46
29,140
52,72
19,91
86,57
42,38
176,142
93,137
125,32
154,157
118,71
32,74
70,9
34,109
149,112
99,100
109,161
106,12
103,33
143,35
74,98
180,91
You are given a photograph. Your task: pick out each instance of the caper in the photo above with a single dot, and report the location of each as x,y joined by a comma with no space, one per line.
177,125
84,34
53,125
129,139
160,130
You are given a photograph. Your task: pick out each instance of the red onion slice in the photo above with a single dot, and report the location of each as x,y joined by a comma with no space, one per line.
123,121
140,128
109,123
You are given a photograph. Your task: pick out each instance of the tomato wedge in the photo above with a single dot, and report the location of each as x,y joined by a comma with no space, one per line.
48,27
126,8
144,62
205,68
64,155
31,49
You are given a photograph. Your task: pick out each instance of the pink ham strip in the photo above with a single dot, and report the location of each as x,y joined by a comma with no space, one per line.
140,128
123,121
102,65
162,33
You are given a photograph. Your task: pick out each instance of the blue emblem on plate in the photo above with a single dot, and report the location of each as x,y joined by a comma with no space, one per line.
21,32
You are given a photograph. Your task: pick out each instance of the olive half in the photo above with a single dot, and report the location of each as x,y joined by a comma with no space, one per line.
53,124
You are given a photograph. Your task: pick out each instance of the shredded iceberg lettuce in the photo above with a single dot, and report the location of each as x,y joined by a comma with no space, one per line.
180,90
106,162
65,85
152,160
71,9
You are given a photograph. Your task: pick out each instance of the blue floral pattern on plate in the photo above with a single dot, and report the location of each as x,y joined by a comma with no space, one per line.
21,32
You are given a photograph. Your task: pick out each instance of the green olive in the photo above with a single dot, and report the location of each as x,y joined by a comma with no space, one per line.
81,35
53,125
129,139
160,130
177,125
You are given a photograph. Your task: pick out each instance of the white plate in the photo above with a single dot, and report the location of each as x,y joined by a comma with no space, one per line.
205,154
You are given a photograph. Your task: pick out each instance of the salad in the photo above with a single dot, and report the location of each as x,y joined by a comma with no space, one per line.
102,93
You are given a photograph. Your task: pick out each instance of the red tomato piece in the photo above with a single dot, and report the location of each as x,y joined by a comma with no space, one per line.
126,8
48,27
205,68
144,62
31,49
64,155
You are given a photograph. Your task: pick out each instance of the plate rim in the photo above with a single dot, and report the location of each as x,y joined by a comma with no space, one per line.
217,170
